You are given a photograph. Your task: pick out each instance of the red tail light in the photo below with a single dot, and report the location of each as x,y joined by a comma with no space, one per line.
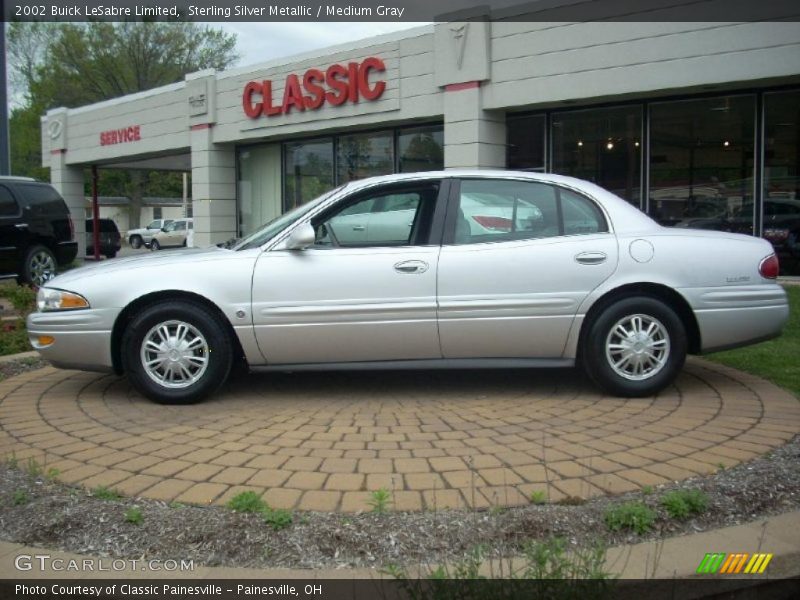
769,267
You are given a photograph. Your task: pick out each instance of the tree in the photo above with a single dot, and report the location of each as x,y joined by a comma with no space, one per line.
81,63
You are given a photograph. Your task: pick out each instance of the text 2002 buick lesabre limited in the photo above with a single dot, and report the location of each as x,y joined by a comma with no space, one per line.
452,269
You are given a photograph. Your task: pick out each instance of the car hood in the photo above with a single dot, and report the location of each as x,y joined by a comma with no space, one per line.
176,258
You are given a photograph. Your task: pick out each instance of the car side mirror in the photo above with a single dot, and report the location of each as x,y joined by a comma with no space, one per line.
301,238
164,229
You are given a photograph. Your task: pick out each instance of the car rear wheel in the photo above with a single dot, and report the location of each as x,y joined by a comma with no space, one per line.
112,254
177,352
154,245
136,242
635,347
39,266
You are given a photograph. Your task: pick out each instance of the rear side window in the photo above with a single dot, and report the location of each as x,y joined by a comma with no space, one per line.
8,206
43,199
503,210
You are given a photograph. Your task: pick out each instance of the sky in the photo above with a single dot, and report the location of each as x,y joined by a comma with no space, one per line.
260,42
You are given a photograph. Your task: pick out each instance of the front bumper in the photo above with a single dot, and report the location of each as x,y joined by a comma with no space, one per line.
81,338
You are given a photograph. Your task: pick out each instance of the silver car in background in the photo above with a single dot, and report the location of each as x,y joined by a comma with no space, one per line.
428,270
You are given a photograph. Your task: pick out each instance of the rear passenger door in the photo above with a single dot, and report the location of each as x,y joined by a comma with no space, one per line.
519,258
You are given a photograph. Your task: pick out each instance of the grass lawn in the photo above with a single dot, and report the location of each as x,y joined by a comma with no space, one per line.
777,360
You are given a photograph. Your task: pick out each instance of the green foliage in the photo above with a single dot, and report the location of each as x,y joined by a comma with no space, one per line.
104,493
380,500
635,516
680,504
21,297
538,497
13,338
776,359
12,462
33,468
647,490
277,518
247,502
20,498
134,516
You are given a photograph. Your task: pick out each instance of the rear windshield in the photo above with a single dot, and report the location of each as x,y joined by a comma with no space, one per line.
42,198
106,226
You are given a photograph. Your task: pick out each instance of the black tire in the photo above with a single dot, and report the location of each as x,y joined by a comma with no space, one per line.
218,354
39,266
136,242
111,255
154,245
600,350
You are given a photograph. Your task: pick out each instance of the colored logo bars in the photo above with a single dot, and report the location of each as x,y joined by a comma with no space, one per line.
731,564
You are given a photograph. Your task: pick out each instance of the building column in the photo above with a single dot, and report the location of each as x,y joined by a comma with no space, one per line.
67,179
473,138
213,189
213,165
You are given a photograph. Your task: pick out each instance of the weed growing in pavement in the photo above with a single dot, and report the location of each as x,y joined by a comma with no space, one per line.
104,493
380,500
635,516
134,515
175,504
538,497
680,504
277,518
20,498
52,473
647,490
247,502
12,462
33,468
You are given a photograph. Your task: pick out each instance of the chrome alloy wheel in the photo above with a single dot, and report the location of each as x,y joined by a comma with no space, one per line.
637,347
174,354
42,268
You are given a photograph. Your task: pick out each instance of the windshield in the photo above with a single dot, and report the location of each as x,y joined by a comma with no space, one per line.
278,224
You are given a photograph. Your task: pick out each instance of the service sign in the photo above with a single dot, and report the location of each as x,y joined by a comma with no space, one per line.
313,89
122,135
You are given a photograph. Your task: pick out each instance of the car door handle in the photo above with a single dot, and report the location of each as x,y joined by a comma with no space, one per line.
21,225
359,228
591,258
411,266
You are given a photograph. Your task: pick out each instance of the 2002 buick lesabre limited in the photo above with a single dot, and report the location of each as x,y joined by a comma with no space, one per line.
426,270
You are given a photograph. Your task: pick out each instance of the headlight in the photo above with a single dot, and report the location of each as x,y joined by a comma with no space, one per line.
49,299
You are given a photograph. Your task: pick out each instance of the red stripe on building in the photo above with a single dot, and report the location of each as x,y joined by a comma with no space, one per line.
457,87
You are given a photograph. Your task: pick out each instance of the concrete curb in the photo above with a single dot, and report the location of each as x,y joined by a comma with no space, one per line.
13,357
672,558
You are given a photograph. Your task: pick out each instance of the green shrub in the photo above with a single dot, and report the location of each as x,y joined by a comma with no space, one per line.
635,516
104,493
247,502
277,518
680,504
134,515
20,498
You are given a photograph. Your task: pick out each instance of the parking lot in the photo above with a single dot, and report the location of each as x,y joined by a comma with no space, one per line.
324,441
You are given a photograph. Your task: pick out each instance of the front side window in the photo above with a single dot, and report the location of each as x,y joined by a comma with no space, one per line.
500,211
396,217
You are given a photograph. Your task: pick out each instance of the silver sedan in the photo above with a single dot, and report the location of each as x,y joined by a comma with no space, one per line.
456,269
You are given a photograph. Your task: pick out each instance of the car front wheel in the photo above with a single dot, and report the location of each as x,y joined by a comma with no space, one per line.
177,352
154,245
136,242
635,347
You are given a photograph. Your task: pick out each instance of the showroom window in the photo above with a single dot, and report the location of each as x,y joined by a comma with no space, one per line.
781,179
364,155
701,163
603,146
308,171
312,167
526,143
420,149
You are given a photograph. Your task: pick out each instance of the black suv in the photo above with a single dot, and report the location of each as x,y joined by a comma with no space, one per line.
110,239
36,231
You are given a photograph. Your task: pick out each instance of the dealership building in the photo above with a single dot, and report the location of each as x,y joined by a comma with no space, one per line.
695,123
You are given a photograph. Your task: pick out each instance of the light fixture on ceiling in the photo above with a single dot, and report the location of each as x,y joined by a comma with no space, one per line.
580,143
610,145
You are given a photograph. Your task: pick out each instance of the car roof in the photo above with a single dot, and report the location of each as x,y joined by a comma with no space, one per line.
18,178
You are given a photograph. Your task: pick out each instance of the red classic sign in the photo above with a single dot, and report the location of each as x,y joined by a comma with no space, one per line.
337,85
121,136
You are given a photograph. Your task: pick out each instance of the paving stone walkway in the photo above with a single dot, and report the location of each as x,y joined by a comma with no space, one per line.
324,441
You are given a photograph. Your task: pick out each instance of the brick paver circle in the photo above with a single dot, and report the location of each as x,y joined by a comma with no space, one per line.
324,441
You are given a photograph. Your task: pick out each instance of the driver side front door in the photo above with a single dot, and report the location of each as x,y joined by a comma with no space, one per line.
366,291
